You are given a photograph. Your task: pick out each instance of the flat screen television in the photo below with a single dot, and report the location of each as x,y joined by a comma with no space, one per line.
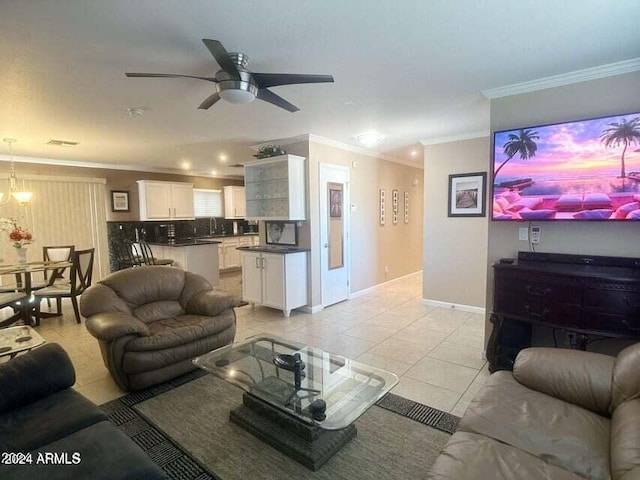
582,170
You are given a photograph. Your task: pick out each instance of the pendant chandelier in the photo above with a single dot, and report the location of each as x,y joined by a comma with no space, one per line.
22,197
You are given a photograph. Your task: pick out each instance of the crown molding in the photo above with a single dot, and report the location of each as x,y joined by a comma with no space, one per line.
112,166
455,138
611,69
310,137
361,151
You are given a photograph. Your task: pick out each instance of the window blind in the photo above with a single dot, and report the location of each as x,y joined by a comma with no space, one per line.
207,203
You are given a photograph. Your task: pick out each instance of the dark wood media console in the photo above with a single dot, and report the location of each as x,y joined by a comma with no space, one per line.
587,295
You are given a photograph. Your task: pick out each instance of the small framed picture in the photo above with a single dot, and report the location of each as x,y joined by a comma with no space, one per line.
120,201
467,194
394,211
382,207
281,233
335,203
406,207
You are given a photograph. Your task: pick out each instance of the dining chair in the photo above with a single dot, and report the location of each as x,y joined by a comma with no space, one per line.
124,253
56,253
147,255
79,281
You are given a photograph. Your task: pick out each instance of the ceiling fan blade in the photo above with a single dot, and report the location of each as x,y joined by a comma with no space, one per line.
222,57
167,75
209,101
265,80
270,97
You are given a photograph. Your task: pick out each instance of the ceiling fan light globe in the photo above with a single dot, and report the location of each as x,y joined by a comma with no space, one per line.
239,97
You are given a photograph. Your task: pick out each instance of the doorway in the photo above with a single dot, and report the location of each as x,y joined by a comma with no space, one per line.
334,233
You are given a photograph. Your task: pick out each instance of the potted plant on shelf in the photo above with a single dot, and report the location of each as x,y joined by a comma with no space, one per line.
267,151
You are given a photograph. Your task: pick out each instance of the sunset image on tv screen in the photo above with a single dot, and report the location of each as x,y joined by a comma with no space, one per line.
584,170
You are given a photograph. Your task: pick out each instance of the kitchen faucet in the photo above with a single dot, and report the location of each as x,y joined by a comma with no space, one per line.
212,221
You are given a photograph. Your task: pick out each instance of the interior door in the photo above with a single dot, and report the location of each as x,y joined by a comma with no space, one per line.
334,233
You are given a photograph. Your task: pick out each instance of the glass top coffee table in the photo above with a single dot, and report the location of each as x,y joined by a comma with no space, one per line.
300,399
14,340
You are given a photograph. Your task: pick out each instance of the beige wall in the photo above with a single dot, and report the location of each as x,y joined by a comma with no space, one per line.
399,247
606,96
117,180
455,249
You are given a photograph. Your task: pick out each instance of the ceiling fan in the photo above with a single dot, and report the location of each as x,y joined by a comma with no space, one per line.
235,84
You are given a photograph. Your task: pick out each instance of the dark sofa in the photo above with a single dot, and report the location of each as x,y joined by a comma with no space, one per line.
41,414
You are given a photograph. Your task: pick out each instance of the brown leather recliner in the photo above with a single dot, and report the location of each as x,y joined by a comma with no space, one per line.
561,415
151,321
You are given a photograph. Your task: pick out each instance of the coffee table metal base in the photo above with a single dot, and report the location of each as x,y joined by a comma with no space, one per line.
309,445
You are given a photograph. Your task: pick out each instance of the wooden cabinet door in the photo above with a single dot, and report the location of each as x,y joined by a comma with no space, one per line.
158,201
273,280
182,201
232,255
240,204
221,257
234,202
251,277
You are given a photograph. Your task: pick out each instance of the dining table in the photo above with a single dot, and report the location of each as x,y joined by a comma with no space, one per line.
25,309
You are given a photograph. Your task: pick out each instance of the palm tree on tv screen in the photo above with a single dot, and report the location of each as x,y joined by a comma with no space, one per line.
623,133
522,144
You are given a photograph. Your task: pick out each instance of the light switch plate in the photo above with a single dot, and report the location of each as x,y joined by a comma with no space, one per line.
523,233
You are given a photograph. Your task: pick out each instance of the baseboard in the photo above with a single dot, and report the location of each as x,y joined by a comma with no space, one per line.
308,309
457,306
360,293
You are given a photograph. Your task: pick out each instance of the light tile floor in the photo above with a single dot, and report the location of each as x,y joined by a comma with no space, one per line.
437,352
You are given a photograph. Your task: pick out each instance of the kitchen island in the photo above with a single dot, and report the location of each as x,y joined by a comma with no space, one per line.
275,276
192,255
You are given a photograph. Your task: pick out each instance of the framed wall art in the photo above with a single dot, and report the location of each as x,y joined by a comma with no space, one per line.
395,207
382,207
406,207
467,193
120,201
281,233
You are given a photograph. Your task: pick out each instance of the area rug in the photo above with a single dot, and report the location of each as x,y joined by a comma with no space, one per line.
184,427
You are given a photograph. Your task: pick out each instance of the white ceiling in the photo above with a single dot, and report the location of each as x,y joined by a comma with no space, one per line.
409,69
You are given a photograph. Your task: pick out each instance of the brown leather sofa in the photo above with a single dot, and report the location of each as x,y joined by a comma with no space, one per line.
151,321
561,415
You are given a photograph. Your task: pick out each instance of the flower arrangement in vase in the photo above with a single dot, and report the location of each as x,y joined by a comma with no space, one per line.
20,237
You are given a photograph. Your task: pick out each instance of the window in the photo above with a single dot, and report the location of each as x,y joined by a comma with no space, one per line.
207,203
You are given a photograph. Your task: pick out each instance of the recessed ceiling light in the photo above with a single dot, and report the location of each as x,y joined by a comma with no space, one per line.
214,172
223,157
414,153
368,139
186,165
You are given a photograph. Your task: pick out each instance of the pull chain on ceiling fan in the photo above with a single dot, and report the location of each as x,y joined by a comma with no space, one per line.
236,84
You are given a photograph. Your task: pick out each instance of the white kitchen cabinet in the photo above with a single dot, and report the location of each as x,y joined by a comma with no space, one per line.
200,259
275,188
275,280
234,202
165,200
230,254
